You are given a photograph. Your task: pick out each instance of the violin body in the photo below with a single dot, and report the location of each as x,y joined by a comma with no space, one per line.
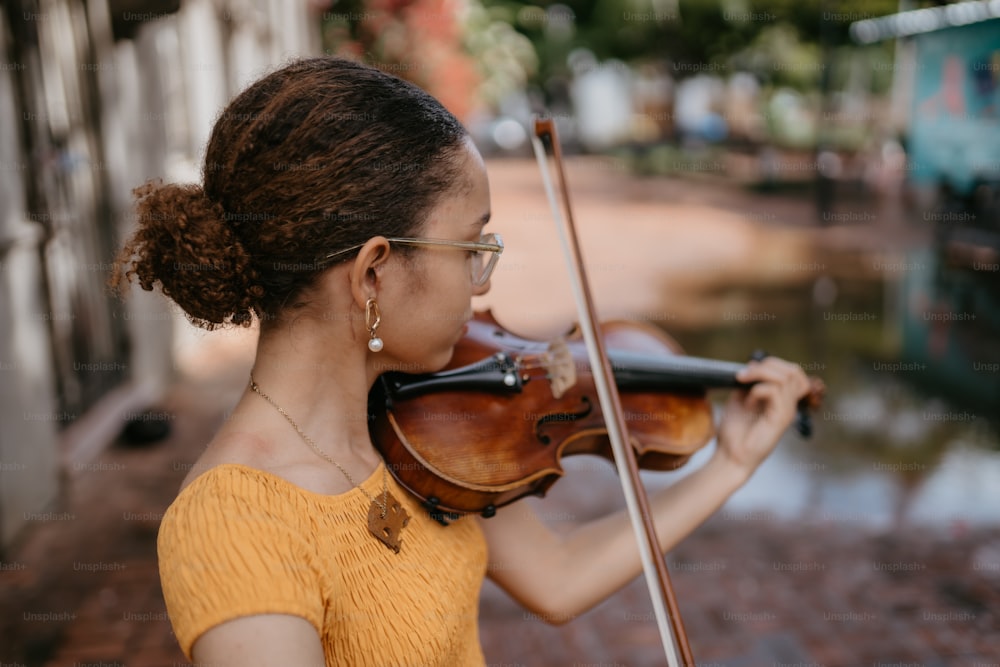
495,424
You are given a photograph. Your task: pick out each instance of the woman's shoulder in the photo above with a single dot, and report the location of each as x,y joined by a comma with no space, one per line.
232,494
236,542
226,455
230,481
243,473
249,455
232,504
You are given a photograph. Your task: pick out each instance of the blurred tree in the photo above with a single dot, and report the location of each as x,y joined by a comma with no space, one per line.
475,54
505,58
418,40
693,35
460,52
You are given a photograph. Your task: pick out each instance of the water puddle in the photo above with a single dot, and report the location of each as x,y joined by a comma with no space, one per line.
908,434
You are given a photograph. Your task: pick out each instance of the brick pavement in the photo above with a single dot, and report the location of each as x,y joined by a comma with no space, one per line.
753,591
82,589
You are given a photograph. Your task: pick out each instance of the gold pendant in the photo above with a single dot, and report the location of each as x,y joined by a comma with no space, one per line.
388,529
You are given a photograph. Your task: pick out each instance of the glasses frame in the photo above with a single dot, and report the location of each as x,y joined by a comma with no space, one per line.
491,243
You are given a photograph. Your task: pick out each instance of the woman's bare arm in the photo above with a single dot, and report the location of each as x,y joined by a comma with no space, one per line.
262,640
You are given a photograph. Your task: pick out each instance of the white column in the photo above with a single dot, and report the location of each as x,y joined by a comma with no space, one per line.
28,419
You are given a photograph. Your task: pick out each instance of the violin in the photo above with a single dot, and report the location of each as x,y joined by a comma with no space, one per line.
494,425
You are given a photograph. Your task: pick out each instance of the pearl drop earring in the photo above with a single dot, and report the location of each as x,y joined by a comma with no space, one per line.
372,319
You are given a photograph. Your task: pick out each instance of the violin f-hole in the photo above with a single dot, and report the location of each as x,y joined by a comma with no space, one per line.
562,417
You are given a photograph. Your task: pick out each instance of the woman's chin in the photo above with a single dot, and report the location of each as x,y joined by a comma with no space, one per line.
441,361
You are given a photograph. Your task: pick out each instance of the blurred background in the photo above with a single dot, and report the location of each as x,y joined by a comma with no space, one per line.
818,179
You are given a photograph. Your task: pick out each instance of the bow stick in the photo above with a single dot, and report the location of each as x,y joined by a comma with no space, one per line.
637,502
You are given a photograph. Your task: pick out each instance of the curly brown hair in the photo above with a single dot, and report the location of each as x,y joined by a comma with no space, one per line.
318,156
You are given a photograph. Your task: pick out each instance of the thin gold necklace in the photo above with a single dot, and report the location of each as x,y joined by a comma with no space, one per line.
387,519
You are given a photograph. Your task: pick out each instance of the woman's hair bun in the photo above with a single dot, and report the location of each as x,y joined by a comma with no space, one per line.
183,243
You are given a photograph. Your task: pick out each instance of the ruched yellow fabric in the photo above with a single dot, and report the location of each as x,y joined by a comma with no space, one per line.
238,541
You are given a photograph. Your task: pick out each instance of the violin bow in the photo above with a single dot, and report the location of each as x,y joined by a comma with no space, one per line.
636,500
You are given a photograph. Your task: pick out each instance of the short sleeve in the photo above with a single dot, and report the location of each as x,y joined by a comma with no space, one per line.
229,547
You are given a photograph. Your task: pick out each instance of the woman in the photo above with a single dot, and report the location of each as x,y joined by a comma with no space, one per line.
345,210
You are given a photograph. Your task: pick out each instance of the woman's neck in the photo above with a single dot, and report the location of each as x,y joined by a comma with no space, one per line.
320,383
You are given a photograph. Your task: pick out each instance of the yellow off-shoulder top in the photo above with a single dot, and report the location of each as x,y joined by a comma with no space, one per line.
238,541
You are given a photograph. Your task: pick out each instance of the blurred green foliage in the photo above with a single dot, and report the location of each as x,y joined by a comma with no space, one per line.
816,84
693,34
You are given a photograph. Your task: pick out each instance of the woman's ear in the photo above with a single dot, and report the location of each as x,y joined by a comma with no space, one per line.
368,268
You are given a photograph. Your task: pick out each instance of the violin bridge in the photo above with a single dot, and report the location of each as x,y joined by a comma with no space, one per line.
559,365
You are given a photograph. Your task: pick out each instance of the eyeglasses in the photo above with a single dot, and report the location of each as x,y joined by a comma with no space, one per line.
485,253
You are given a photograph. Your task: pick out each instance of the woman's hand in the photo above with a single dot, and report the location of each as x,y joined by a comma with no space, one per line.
755,418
